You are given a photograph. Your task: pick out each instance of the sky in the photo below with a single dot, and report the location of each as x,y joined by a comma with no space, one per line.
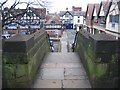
57,5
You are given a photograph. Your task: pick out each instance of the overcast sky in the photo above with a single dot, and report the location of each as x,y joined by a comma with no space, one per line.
59,5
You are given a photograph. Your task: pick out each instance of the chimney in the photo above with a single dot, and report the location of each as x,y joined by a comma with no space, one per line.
67,8
73,8
47,12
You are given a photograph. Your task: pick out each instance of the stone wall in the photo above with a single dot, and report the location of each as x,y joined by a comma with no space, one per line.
99,54
22,56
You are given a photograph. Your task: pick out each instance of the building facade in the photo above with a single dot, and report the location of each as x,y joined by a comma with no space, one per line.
113,19
78,19
25,20
53,25
72,19
74,8
89,18
103,13
96,19
66,19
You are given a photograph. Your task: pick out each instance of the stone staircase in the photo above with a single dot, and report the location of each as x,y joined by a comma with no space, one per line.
61,70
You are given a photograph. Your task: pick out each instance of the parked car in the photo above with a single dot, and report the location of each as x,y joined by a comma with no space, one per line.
23,33
6,36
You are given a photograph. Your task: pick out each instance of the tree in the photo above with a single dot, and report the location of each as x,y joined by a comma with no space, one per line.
10,15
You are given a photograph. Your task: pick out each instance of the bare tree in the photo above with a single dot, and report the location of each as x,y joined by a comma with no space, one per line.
9,15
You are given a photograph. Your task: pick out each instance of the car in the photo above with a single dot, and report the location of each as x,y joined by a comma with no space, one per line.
23,33
6,36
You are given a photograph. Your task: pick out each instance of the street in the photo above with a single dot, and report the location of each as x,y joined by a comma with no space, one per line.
71,37
63,69
57,46
70,40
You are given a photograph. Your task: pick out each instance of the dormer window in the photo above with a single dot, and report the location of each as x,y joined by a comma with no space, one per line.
102,19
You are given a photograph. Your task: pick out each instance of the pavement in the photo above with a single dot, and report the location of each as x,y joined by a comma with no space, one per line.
61,70
71,38
64,42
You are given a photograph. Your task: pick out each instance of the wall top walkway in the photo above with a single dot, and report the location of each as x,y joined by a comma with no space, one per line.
64,42
62,70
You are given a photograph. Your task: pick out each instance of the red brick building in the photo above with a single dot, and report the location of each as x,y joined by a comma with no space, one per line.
96,19
53,25
89,17
76,8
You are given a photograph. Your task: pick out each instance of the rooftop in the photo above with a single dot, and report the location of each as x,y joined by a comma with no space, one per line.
90,9
74,13
53,18
97,6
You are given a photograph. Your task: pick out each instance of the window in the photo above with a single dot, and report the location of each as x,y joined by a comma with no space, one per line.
113,24
95,19
78,16
113,21
67,15
28,17
52,22
96,31
102,20
117,18
102,25
114,18
78,21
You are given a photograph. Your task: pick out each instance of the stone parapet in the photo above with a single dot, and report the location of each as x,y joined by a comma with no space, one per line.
22,56
99,54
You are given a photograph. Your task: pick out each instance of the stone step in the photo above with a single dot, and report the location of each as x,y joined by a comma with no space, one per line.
62,58
62,84
61,70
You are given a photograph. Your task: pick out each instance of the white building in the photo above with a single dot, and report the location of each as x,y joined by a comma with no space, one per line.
72,19
67,19
113,19
78,19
